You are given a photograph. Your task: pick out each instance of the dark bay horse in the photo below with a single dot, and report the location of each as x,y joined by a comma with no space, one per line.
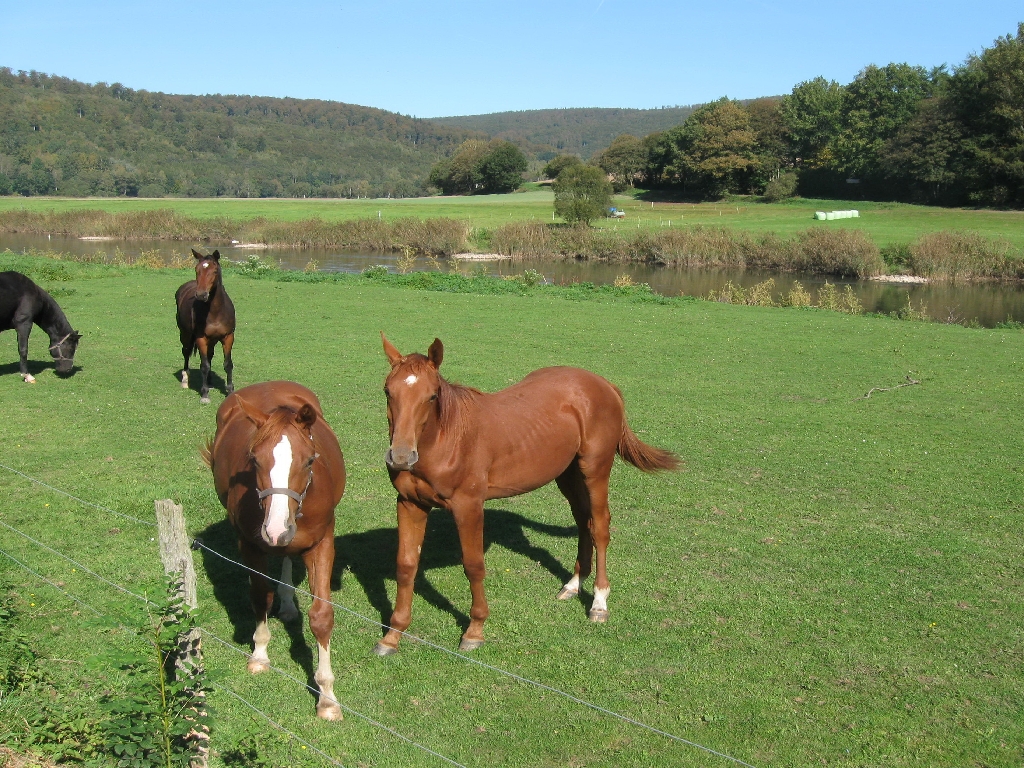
279,472
455,447
23,303
205,316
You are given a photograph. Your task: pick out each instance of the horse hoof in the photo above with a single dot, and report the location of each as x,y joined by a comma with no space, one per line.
329,712
470,645
29,378
204,400
565,594
384,650
255,667
599,615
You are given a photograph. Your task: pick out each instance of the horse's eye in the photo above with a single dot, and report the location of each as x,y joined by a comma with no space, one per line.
433,397
387,392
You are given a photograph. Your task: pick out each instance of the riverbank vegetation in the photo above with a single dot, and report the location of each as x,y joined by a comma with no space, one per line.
831,576
820,249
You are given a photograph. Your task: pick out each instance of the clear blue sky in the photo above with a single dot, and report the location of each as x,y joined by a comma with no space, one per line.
447,57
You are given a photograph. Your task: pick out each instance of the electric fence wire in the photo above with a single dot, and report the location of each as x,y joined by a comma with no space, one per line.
491,667
198,543
310,688
218,686
80,501
233,647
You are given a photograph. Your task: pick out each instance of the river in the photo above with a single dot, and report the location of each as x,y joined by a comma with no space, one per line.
984,303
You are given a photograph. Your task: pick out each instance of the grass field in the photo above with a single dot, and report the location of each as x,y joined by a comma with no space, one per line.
831,580
885,223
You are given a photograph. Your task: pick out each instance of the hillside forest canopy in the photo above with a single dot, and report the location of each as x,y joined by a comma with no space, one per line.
896,132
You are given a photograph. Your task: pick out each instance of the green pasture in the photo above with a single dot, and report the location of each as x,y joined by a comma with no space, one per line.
885,223
830,580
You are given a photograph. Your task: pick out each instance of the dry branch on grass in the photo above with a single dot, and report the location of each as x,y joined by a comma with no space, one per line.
908,383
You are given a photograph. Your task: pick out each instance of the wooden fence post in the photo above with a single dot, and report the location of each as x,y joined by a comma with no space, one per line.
176,555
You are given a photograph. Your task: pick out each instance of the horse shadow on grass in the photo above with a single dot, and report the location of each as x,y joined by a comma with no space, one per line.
36,367
370,557
195,380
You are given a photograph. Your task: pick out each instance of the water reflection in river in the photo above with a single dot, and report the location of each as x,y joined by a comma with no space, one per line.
987,304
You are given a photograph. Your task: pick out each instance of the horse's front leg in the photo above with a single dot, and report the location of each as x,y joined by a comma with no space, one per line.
229,366
412,526
319,562
24,328
205,353
261,596
469,518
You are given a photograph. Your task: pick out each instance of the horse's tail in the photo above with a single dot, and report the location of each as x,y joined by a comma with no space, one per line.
206,453
644,457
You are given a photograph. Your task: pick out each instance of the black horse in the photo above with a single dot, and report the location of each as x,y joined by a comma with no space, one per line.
23,303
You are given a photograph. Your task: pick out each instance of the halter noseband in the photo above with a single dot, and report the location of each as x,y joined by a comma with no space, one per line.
299,497
60,352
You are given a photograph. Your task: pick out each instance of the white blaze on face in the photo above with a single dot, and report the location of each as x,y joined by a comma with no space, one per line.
277,517
411,379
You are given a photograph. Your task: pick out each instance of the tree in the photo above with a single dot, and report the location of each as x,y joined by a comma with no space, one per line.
772,140
625,161
813,115
582,194
502,167
558,164
714,151
876,105
986,96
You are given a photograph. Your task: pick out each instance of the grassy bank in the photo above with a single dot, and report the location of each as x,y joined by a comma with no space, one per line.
831,579
883,223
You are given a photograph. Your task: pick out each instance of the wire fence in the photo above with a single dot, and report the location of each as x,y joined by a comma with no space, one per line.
197,543
210,634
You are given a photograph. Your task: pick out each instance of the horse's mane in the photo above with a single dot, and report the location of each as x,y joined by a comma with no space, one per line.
452,399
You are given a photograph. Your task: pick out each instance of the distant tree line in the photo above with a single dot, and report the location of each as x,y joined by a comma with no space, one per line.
61,136
897,132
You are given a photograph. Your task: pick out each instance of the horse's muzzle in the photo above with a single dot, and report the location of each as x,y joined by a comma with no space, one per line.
401,459
64,367
281,541
203,296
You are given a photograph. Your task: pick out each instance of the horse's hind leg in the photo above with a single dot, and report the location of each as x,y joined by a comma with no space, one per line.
261,596
205,356
573,486
600,523
286,593
229,366
319,561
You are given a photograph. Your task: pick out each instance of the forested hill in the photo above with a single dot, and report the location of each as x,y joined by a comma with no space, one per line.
61,136
582,132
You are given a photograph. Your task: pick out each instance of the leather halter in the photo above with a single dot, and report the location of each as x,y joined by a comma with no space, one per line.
60,352
299,497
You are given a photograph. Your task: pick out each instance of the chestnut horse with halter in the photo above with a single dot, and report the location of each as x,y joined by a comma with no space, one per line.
455,447
279,472
205,316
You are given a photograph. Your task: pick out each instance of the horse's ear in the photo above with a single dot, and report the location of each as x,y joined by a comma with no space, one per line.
389,349
215,255
255,416
197,254
306,416
76,336
436,353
